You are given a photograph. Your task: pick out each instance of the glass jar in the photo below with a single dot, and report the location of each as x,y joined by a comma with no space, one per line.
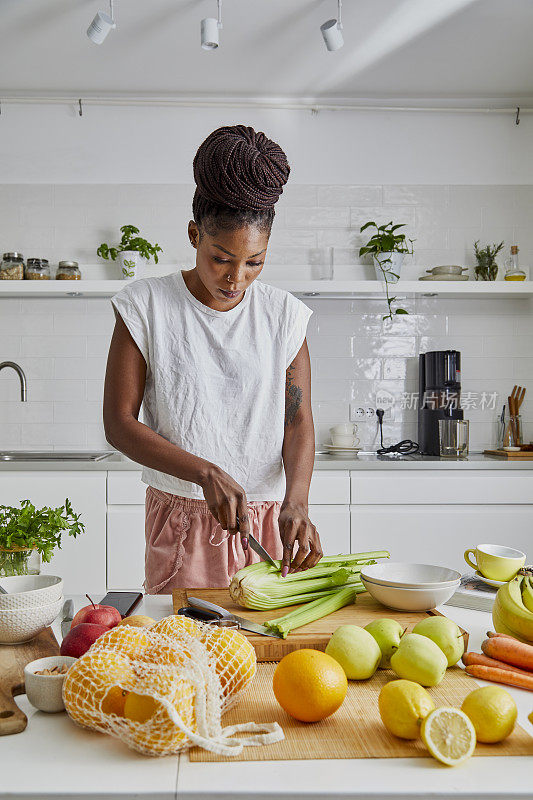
68,271
12,267
37,269
19,561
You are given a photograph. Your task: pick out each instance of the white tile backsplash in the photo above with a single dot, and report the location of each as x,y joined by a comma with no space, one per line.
62,343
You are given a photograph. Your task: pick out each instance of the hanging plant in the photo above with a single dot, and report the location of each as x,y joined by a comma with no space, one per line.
382,245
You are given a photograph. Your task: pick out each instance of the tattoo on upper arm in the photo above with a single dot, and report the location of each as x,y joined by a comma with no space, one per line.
293,396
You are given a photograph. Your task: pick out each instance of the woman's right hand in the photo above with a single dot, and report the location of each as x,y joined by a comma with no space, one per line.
227,501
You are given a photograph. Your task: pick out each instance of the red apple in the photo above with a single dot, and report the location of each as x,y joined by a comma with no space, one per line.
79,639
97,614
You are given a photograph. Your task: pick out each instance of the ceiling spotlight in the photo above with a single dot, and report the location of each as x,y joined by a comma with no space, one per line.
332,31
101,25
210,28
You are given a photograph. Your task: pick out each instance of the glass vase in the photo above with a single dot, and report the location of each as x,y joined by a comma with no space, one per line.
19,561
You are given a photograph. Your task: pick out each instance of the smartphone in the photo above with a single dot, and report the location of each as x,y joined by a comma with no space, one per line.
124,602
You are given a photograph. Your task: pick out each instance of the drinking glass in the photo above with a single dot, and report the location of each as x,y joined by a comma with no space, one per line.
321,262
453,438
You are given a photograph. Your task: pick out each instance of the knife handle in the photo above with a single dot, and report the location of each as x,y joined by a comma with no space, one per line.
205,605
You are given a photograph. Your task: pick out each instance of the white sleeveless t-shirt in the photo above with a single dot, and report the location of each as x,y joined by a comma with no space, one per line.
215,380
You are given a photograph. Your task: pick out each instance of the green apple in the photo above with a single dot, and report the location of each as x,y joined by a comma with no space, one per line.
446,634
387,633
356,650
419,659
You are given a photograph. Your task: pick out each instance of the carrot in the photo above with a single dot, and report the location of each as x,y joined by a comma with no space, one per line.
501,676
469,659
492,634
511,651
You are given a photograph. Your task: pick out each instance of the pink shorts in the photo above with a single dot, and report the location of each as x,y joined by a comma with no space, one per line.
186,547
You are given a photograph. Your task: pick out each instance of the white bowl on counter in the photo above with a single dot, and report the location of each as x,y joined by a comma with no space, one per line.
408,598
414,576
23,624
28,591
45,692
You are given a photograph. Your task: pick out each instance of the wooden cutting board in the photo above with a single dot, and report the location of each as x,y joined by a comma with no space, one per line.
13,659
521,455
315,635
355,730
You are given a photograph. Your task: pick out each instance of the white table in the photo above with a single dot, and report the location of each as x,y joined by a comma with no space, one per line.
53,758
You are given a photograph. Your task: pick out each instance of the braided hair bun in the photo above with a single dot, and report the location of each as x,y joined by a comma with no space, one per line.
239,175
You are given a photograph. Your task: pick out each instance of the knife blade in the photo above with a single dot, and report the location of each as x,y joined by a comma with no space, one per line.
261,552
223,613
67,616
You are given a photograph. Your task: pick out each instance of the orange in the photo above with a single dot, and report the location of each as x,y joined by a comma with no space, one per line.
88,683
139,707
114,701
138,621
309,685
128,640
166,653
150,728
236,662
175,625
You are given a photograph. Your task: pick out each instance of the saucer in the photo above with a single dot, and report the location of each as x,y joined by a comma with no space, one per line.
489,581
337,448
444,277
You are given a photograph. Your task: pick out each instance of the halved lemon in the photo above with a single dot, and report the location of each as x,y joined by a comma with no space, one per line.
448,735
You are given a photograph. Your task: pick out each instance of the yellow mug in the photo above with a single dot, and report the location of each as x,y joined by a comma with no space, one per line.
496,562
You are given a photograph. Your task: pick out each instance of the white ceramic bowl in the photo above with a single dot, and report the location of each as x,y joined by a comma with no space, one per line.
23,624
413,576
27,591
45,692
409,599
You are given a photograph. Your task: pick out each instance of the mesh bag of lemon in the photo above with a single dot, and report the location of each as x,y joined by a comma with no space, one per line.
164,689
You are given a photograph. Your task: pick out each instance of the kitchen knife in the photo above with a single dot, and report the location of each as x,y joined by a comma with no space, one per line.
67,616
223,613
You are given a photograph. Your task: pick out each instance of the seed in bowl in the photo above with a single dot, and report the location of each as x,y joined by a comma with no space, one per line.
57,670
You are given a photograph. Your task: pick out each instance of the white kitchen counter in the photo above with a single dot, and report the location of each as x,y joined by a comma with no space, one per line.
53,758
119,463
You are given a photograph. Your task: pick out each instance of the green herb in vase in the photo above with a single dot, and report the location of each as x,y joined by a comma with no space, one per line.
486,268
27,530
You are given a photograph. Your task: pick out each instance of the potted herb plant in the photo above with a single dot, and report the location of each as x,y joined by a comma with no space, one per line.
131,251
387,249
28,534
486,268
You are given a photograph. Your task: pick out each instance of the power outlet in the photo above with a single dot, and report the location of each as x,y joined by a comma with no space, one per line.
367,413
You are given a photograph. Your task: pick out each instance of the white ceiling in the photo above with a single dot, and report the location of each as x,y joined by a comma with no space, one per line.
271,48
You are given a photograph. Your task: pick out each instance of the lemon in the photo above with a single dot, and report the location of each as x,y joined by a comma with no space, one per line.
449,735
309,684
403,705
492,712
139,707
138,621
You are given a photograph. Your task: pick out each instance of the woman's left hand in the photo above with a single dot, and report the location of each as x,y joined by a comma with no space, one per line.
295,527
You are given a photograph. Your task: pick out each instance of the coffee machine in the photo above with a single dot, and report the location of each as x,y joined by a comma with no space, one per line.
439,395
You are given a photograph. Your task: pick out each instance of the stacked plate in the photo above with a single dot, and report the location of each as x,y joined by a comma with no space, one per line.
31,603
410,587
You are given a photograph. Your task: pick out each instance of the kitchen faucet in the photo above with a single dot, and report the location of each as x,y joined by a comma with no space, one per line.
22,377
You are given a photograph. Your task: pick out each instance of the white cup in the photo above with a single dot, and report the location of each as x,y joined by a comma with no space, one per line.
344,434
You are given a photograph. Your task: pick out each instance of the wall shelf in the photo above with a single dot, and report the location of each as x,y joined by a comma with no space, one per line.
312,289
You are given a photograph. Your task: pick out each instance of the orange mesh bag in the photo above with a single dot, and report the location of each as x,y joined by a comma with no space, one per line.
161,694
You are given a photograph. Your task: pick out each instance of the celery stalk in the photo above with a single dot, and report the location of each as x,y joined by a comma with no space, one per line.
261,586
315,610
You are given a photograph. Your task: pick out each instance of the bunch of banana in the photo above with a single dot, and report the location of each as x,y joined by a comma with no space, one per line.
512,612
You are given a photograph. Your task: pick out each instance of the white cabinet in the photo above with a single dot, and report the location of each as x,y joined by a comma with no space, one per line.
333,526
439,534
81,562
125,547
445,487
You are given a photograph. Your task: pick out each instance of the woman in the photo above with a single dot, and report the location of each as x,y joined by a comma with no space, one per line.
220,363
